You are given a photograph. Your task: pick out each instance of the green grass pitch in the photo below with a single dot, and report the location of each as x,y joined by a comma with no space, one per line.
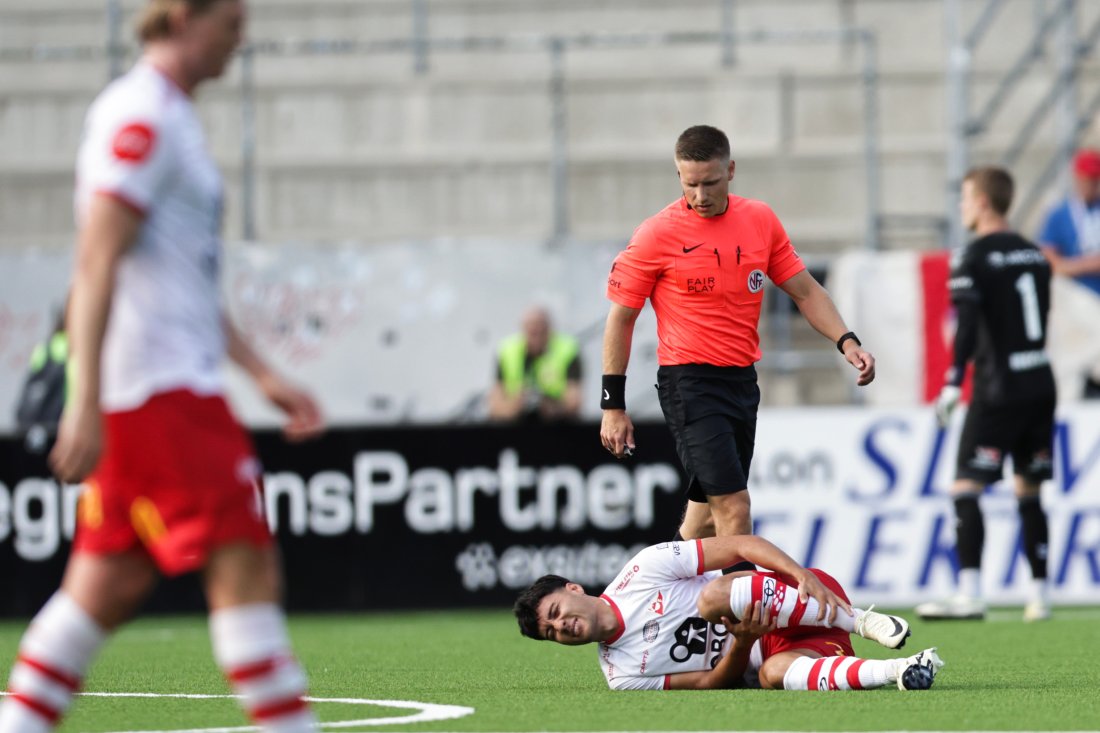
1001,675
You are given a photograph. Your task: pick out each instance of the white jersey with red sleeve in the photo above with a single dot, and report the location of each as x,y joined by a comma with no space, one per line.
660,631
143,145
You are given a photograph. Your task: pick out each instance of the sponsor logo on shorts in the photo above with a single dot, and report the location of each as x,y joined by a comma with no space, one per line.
986,457
1041,462
134,142
649,631
146,520
89,508
756,281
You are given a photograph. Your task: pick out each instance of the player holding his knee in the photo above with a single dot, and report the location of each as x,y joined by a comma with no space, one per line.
671,620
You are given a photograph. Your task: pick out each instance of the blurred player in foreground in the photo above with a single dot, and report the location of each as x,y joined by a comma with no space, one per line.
670,620
172,481
1000,286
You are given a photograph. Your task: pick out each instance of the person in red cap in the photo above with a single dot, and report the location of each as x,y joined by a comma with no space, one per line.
1070,236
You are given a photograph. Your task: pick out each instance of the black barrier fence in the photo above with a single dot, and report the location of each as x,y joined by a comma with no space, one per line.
426,517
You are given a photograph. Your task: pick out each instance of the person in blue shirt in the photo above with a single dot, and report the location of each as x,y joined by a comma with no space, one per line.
1070,236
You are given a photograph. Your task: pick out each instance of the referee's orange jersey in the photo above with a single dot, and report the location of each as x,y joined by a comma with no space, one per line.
705,278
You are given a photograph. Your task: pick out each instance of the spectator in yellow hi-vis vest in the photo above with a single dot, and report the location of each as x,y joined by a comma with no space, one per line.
538,374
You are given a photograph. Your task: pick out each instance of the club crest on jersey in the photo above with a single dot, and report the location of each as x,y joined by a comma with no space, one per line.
756,281
649,631
133,143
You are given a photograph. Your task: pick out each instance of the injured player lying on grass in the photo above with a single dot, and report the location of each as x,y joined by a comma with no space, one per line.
672,620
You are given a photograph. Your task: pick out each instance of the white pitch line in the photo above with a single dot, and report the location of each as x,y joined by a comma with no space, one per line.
427,712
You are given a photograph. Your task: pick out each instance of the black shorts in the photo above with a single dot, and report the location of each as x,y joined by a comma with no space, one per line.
1024,431
711,412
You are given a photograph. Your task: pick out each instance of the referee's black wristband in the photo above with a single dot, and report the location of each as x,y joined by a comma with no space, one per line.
614,392
840,341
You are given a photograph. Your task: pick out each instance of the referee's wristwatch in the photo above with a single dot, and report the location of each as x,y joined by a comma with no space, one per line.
850,335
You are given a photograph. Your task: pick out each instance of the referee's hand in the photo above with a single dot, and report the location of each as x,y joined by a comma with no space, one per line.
861,360
617,433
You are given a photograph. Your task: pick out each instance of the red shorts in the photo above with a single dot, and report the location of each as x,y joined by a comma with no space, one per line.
178,478
827,642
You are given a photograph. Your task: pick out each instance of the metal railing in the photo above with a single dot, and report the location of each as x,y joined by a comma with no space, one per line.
1055,25
556,48
421,47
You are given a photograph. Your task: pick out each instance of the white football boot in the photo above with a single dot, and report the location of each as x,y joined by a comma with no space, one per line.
1037,611
890,631
955,607
918,671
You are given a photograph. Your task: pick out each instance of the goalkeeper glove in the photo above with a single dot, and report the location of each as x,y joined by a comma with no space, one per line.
946,403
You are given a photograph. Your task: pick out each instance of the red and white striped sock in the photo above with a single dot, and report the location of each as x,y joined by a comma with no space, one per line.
787,609
252,648
839,673
54,653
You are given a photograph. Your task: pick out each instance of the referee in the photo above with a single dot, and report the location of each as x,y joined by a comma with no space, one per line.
702,261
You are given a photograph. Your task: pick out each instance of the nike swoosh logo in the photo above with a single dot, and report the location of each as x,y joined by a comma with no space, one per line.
607,395
689,249
897,632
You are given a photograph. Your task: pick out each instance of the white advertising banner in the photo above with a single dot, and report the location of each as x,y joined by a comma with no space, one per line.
864,494
861,493
384,334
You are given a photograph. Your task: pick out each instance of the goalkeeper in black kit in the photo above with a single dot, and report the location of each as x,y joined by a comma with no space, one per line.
1000,286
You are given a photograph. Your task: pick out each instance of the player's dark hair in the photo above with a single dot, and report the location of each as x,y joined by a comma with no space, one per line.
702,143
527,605
997,185
154,23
